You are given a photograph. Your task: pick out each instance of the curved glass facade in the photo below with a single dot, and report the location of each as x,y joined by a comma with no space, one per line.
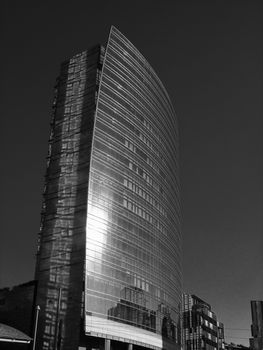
133,239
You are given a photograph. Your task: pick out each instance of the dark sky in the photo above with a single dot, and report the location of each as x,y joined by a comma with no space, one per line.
209,56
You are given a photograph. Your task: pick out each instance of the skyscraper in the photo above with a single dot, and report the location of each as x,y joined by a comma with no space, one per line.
109,253
256,343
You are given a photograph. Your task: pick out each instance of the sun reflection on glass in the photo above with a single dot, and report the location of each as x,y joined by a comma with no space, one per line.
96,231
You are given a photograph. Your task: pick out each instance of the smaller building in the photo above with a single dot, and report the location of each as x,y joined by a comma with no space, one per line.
200,327
17,306
256,342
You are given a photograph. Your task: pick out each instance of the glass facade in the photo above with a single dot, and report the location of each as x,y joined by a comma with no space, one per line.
133,243
109,253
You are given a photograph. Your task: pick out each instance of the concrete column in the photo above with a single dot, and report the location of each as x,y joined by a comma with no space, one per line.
130,346
107,344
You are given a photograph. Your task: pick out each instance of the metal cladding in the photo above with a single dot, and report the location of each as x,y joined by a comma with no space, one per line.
111,208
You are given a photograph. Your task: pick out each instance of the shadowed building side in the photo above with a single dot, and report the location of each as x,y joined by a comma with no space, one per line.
61,255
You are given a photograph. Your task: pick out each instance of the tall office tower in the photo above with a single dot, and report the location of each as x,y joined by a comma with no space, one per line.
256,343
200,328
109,255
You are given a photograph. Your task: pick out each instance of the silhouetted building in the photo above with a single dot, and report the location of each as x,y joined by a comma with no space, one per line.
232,346
256,343
200,328
109,253
17,307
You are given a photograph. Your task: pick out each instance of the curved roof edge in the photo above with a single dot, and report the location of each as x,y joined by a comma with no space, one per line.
11,334
112,29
